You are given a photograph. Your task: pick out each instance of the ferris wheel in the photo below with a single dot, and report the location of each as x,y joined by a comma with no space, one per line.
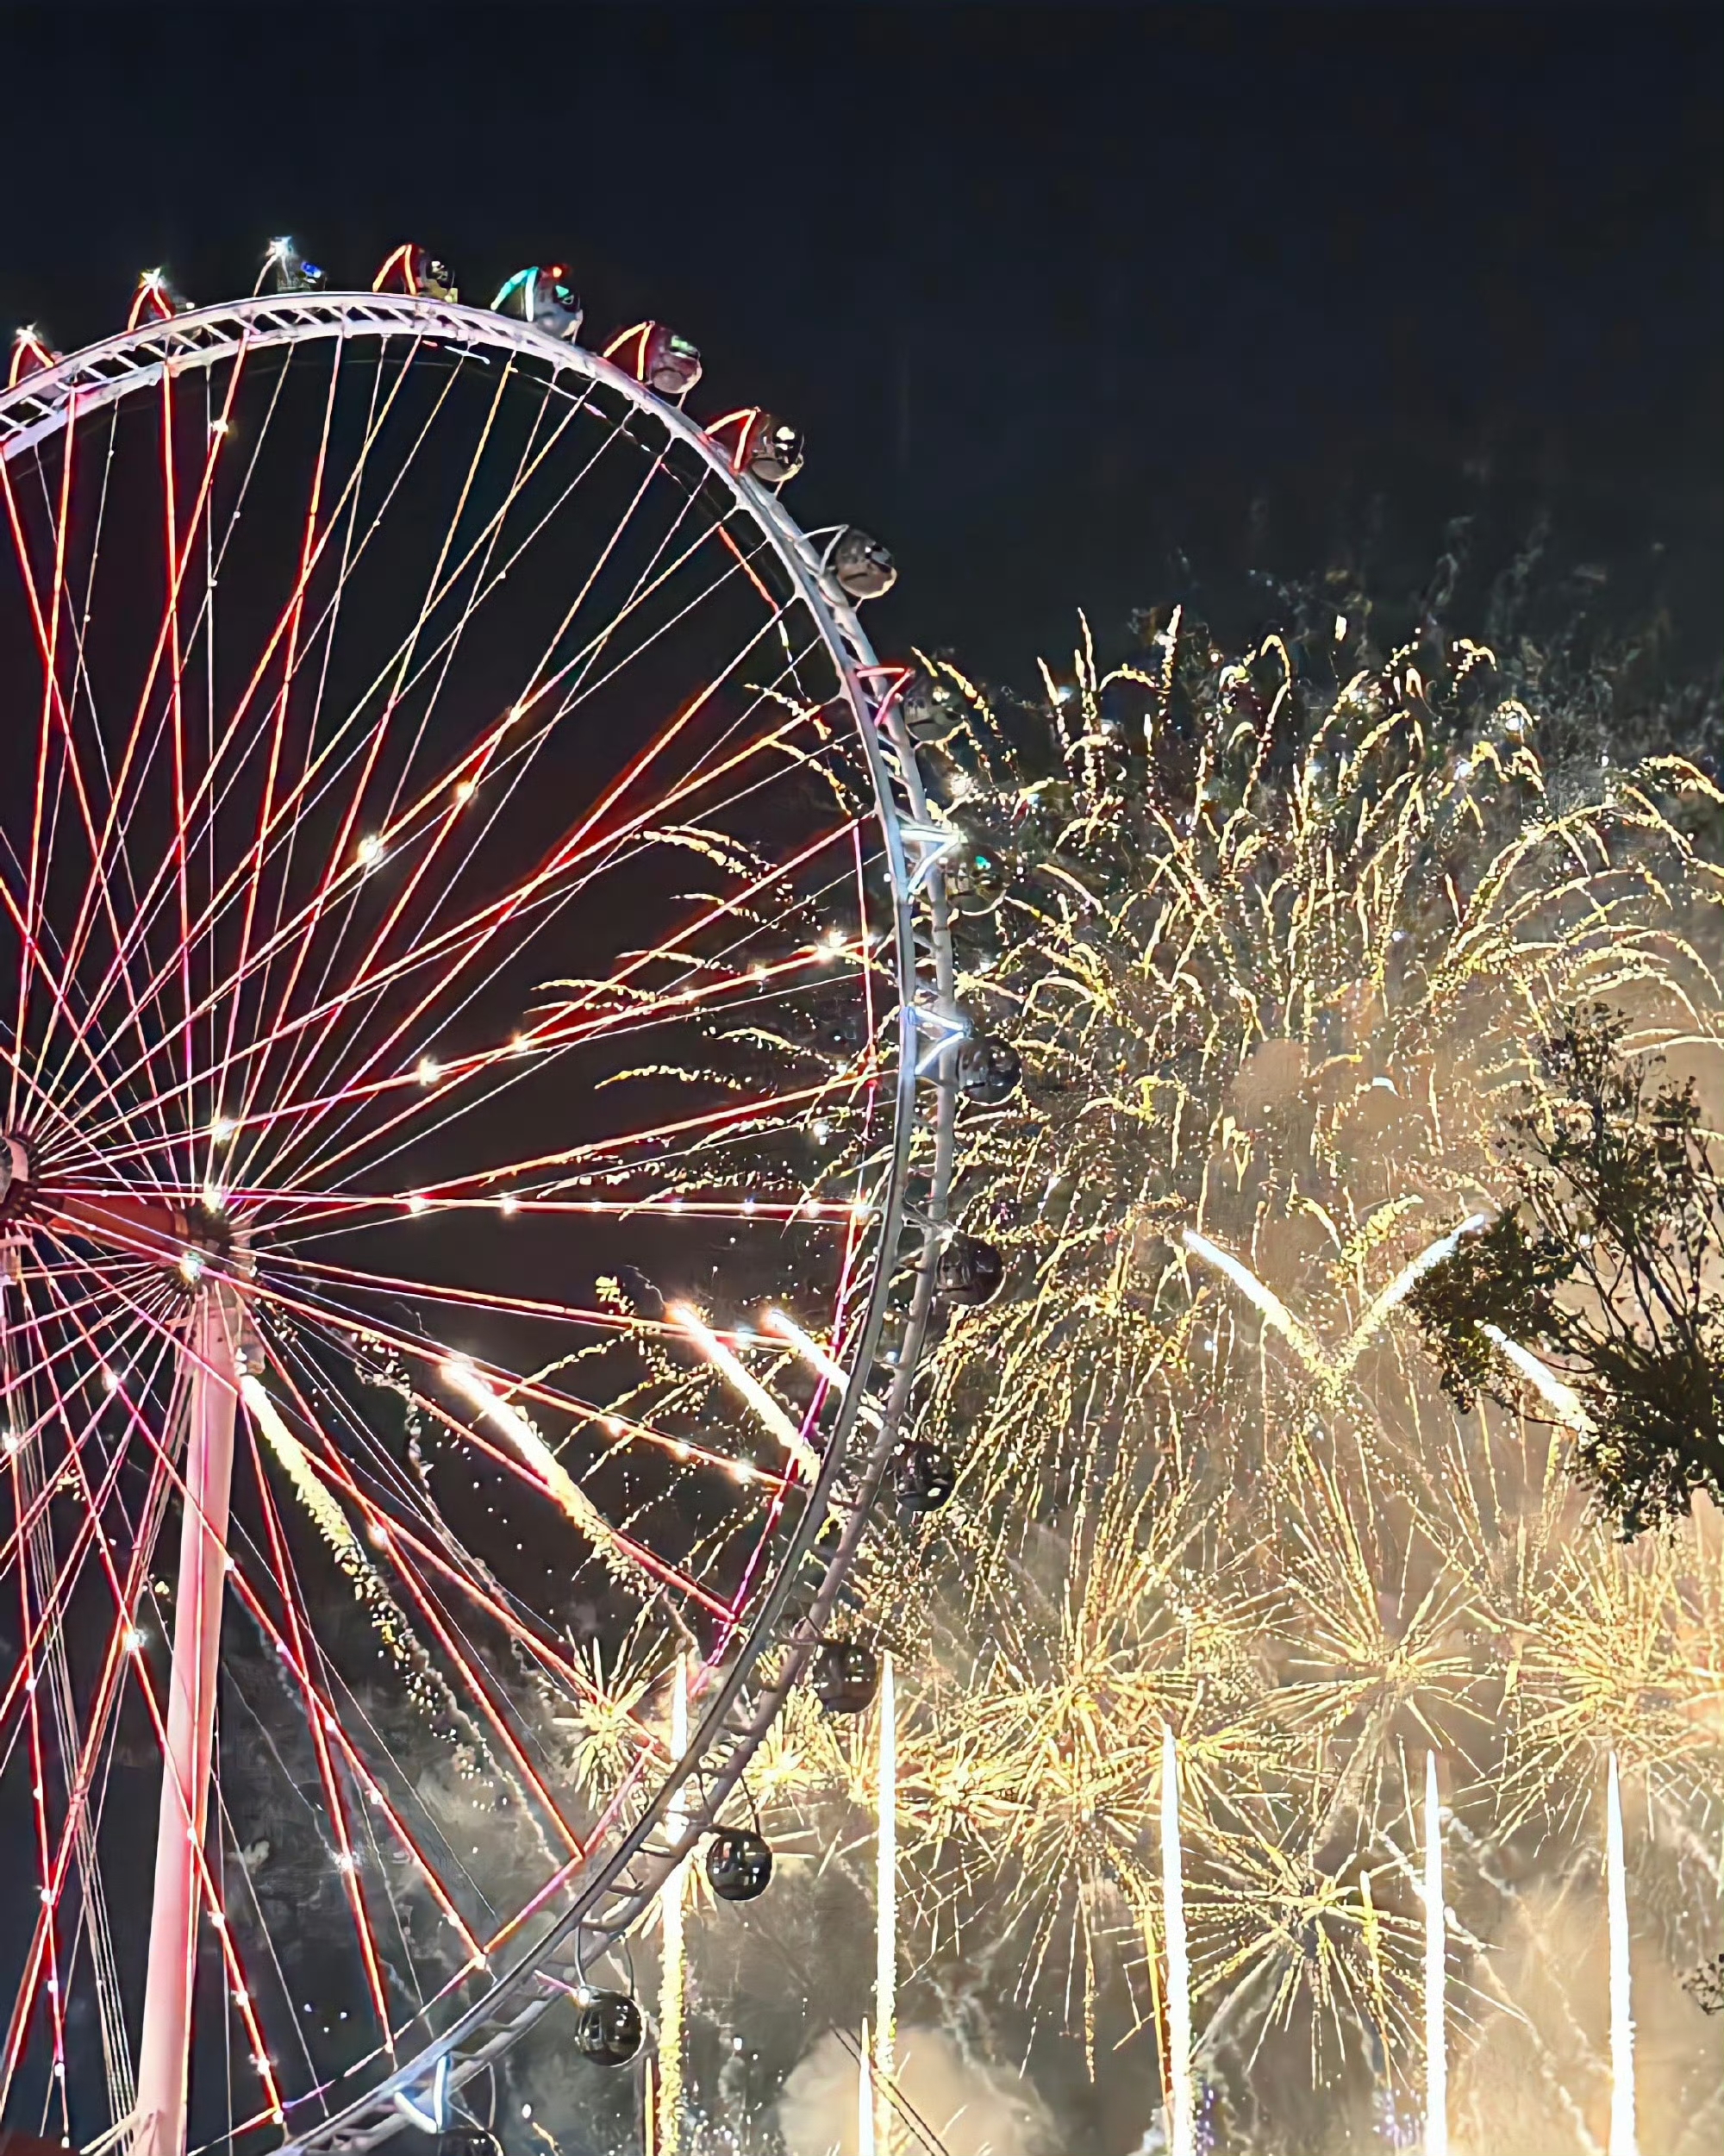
479,942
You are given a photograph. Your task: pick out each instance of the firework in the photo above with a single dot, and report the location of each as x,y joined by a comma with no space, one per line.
1274,955
1274,944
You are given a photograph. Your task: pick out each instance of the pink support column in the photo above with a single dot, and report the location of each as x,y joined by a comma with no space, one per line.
165,2049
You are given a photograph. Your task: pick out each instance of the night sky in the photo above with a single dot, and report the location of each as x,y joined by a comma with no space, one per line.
1091,307
1059,295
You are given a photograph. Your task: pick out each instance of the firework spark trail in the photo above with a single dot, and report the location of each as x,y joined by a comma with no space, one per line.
784,1327
1436,1974
1333,1365
309,1488
886,1910
461,1376
1181,2110
673,1978
1563,1400
1297,1336
1275,976
1623,2140
749,1389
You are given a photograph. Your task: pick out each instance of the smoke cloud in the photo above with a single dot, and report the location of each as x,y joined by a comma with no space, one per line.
964,2106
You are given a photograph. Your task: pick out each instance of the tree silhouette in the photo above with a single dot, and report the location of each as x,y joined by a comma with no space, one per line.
1609,1265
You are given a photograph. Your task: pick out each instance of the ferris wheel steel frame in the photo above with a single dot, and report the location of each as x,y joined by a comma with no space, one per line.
618,1882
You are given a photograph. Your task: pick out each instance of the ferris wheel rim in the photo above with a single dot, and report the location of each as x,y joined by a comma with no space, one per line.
40,405
625,1872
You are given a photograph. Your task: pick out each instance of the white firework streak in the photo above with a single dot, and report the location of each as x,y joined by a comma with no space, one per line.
461,1376
1401,1287
1304,1343
748,1388
308,1484
1563,1400
1332,1366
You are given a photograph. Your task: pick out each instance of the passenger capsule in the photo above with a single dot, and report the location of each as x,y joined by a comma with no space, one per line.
771,450
924,1476
290,272
31,354
932,708
846,1675
420,275
156,300
669,365
739,1864
989,1070
864,568
971,1272
607,2026
546,298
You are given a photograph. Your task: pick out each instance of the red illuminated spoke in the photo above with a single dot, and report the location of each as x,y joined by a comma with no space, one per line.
161,883
53,721
560,861
464,939
284,818
321,1719
442,991
296,611
324,1311
83,1797
125,1595
451,818
116,822
98,877
431,731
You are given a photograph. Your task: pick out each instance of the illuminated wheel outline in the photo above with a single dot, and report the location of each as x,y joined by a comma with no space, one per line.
620,1878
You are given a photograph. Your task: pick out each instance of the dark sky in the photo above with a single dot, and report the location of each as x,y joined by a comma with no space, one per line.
1054,292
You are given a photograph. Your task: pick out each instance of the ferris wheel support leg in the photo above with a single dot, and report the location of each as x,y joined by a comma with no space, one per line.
165,2049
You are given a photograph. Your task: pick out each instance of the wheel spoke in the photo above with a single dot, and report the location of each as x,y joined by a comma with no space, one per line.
455,884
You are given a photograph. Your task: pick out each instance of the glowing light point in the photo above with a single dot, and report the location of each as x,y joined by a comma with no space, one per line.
369,850
428,1070
416,1202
